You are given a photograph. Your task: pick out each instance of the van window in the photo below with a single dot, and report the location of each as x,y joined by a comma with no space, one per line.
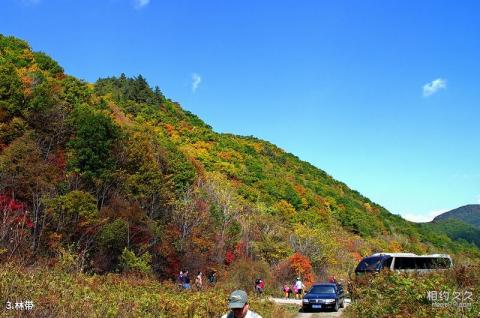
441,262
405,263
421,263
387,262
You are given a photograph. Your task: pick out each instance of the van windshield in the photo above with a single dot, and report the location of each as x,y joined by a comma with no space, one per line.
370,264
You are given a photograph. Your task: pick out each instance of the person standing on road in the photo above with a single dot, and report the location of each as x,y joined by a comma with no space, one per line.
186,280
212,278
199,281
287,291
239,307
332,279
180,280
299,286
259,286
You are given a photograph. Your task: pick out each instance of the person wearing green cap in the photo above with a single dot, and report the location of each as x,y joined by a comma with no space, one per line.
238,303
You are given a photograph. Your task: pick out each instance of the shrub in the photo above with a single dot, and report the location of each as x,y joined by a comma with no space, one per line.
129,262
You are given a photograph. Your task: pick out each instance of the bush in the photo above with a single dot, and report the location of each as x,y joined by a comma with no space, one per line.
131,263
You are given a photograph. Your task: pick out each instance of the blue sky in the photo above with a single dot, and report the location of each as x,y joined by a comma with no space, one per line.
382,95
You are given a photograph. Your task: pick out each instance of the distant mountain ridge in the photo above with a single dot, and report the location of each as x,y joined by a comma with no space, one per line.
469,214
462,223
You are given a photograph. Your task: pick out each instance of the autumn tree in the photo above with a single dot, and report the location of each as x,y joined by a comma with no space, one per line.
195,240
25,174
15,225
226,210
73,215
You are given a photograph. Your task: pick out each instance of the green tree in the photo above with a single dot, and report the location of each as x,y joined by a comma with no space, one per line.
46,63
72,210
92,150
11,90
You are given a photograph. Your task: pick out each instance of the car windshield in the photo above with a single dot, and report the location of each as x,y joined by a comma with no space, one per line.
322,290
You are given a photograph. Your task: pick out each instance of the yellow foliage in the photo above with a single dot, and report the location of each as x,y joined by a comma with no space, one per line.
394,246
284,209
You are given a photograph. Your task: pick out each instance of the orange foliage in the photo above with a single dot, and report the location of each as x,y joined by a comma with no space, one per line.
225,155
302,267
299,189
394,246
27,82
170,129
198,166
119,115
356,256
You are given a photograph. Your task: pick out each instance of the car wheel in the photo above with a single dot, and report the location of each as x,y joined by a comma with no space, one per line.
336,306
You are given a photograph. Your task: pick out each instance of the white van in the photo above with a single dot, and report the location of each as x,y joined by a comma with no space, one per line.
404,262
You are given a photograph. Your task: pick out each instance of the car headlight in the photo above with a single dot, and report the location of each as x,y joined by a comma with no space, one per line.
329,301
305,301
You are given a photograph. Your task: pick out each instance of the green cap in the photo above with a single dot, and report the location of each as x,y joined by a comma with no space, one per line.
237,299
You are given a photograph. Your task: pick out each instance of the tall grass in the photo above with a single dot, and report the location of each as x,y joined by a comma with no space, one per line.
57,293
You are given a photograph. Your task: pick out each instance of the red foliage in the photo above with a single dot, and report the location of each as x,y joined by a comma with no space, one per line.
229,257
140,234
201,205
13,211
58,160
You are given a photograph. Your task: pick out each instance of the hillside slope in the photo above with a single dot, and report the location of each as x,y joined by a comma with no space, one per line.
120,176
469,214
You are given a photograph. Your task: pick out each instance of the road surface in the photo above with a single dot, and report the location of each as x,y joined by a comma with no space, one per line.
298,302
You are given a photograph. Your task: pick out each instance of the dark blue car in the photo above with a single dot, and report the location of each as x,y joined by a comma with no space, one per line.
324,296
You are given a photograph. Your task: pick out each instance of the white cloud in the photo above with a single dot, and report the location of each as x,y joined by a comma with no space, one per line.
478,199
434,86
196,80
141,3
422,217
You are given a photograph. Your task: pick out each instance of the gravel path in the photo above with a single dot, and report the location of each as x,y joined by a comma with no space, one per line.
310,314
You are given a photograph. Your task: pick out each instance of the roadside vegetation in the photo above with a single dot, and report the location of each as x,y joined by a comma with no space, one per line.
56,292
446,294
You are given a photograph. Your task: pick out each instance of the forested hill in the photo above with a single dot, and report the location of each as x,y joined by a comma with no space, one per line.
469,214
120,175
462,223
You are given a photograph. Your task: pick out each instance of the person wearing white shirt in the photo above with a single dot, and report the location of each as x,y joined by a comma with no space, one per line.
299,286
238,303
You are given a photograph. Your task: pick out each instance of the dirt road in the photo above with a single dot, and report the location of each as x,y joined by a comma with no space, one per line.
309,314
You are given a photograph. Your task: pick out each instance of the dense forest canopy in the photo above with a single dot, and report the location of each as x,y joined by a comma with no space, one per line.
126,179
